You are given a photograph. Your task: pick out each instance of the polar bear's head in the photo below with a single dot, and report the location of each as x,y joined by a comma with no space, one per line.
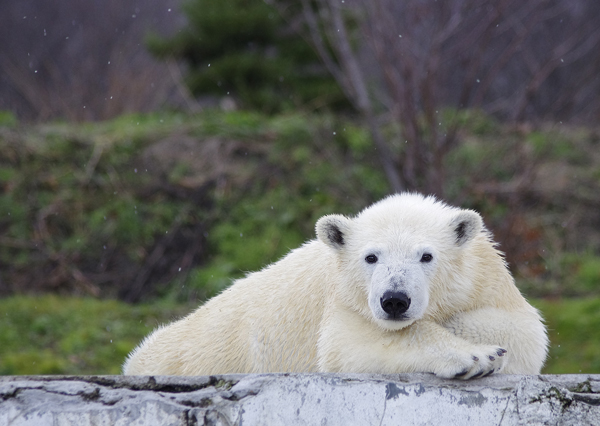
399,254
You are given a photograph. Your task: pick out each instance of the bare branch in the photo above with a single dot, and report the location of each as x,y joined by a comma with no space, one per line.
430,56
319,45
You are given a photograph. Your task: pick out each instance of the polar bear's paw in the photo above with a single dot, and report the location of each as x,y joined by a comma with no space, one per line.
479,361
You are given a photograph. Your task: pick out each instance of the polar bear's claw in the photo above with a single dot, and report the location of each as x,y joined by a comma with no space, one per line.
488,373
461,373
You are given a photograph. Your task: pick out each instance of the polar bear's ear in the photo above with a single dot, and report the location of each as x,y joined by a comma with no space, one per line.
465,226
333,230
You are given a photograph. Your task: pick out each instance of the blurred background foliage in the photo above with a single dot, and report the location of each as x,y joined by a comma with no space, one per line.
142,184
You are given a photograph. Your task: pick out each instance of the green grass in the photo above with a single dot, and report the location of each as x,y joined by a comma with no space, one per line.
574,330
65,335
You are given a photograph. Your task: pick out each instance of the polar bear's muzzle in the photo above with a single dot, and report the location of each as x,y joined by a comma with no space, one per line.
395,304
398,294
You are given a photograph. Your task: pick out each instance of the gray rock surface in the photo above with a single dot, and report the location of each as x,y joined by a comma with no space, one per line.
299,399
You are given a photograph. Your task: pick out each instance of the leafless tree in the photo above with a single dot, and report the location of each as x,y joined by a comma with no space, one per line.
425,59
84,60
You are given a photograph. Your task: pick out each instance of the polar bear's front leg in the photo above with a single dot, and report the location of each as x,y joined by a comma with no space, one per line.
520,332
449,356
351,343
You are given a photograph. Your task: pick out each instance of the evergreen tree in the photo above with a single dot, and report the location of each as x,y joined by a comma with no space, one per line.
243,48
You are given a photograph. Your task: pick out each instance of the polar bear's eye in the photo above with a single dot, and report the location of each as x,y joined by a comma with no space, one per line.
426,258
371,258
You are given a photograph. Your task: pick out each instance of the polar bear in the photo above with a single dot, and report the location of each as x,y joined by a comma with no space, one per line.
410,284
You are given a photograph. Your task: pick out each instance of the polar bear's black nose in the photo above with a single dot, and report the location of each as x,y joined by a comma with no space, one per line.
395,303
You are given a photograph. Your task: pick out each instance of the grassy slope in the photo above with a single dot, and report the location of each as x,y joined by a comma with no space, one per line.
91,209
52,335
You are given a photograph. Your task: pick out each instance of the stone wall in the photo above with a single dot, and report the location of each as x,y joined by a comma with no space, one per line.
299,399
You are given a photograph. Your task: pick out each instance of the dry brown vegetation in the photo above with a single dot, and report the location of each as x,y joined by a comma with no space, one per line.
520,61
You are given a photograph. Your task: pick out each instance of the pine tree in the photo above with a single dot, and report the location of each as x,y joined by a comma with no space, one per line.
244,49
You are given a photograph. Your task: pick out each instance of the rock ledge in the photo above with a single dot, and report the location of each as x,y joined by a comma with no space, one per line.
299,399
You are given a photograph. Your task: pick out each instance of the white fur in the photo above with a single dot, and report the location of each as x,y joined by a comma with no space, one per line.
326,305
